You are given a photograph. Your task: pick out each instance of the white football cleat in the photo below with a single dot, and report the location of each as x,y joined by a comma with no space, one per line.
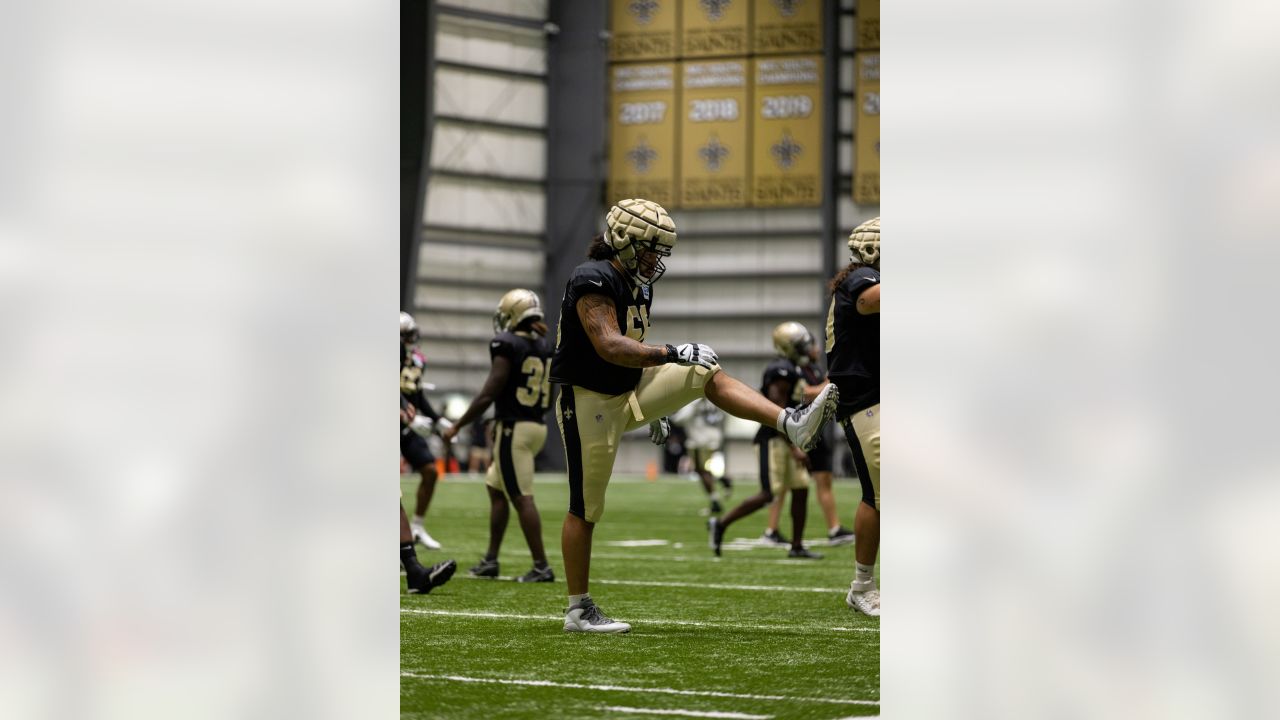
420,536
802,425
588,618
866,602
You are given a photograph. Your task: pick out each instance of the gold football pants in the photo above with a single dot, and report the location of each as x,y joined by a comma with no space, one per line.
592,425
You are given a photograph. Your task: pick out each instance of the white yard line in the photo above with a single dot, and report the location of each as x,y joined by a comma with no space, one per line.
714,586
638,543
708,558
686,713
624,688
647,621
673,584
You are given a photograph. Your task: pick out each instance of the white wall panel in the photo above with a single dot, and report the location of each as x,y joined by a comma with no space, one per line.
475,42
844,157
465,326
489,97
536,9
485,205
697,256
428,298
734,296
846,74
737,336
478,263
846,114
748,220
448,379
474,353
480,150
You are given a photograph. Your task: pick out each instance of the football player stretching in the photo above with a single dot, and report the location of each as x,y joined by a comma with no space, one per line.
611,382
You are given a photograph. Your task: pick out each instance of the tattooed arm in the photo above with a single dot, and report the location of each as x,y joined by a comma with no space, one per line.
869,301
600,319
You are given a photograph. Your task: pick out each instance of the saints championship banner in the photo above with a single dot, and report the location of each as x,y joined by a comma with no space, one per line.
786,26
642,133
787,135
714,28
866,130
713,133
643,29
868,27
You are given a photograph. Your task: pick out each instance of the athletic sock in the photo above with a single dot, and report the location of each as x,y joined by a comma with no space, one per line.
409,558
540,565
579,600
417,520
833,529
777,424
865,573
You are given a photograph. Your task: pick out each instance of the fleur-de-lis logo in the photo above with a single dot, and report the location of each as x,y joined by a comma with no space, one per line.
642,156
785,151
643,10
715,8
787,7
713,154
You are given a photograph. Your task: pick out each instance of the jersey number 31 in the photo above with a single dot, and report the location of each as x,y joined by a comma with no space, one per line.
537,384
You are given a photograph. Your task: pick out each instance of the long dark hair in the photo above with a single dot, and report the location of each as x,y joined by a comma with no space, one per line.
599,249
840,276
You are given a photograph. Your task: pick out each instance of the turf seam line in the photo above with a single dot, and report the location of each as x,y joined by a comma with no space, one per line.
650,621
685,713
623,688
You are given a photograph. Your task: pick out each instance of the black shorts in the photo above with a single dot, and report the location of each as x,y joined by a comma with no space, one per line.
820,455
413,448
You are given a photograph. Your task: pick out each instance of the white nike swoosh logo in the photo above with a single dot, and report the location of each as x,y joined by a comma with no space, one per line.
596,283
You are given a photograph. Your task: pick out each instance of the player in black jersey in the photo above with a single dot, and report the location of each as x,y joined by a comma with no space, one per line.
795,342
783,465
703,424
418,578
611,382
853,365
413,445
520,386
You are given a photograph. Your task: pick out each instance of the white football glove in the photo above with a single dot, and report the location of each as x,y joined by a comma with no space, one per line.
443,424
422,425
692,354
659,430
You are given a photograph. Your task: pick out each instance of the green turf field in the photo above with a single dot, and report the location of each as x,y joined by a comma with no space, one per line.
749,635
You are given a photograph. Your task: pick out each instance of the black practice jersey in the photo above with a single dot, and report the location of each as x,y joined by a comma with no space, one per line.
853,344
781,369
576,361
411,366
528,390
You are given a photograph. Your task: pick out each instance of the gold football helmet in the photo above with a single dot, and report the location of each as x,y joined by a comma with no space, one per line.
636,227
408,329
792,341
514,308
864,243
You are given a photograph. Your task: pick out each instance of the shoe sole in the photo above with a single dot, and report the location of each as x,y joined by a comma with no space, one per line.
597,632
441,577
848,600
825,411
842,540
